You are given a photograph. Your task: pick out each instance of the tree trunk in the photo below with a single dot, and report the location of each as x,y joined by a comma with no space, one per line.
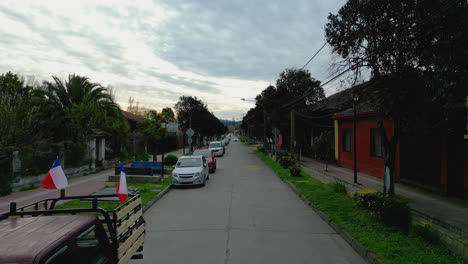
390,147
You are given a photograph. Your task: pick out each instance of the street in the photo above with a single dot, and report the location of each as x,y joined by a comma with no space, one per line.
244,214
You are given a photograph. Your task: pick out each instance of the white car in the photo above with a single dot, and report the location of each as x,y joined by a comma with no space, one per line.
217,148
190,170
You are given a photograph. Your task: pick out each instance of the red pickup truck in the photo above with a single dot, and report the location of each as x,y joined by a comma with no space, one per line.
38,233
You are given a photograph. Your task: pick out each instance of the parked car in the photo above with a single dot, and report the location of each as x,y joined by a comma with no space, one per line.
209,156
190,170
217,148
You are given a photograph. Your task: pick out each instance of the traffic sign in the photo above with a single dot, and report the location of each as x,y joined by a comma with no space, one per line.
189,140
275,131
190,132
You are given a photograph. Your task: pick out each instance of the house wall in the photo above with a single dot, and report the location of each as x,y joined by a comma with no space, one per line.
365,162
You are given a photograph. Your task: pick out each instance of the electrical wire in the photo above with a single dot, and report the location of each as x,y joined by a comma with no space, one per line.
299,99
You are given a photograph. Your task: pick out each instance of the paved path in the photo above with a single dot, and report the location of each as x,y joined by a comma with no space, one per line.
245,214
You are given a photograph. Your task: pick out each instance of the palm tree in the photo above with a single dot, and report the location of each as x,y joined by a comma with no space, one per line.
71,108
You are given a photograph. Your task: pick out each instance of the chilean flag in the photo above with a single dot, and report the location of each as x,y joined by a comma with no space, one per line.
122,191
55,179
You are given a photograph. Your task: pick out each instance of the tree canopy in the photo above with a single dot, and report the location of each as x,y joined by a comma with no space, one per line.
192,112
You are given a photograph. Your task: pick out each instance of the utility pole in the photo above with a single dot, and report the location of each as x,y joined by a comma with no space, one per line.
190,124
354,142
291,144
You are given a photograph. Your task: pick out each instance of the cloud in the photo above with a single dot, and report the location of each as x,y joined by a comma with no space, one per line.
156,51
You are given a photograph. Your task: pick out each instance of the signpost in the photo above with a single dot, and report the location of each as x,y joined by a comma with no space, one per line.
276,132
190,133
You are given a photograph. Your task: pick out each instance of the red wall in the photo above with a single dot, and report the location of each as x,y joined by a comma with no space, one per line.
365,162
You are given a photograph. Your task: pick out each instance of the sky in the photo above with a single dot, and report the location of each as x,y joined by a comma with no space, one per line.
156,51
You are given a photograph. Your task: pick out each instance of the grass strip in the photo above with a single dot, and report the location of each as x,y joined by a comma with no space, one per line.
146,194
388,243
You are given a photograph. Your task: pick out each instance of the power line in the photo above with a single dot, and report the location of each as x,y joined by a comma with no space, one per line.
324,44
300,98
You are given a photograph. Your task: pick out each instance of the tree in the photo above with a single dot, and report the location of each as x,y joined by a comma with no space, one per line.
399,41
17,126
295,89
168,114
193,113
70,109
152,131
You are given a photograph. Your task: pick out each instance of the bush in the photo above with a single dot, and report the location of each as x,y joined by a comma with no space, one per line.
142,156
286,162
261,149
392,211
339,187
295,171
170,160
428,233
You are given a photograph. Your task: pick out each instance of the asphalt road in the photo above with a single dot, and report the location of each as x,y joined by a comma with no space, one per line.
244,214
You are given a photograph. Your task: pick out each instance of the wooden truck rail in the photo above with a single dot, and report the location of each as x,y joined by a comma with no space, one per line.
124,225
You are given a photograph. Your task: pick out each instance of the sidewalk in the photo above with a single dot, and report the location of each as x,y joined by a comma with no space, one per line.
451,211
76,186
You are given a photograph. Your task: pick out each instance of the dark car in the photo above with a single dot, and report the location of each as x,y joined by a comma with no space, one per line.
54,239
209,156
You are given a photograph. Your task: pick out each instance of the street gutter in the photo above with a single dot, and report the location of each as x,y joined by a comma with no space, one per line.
155,199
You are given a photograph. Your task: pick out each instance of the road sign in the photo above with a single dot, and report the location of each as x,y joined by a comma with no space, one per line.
190,132
189,140
275,131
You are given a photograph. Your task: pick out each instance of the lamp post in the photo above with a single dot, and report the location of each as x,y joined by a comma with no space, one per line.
355,100
264,119
163,126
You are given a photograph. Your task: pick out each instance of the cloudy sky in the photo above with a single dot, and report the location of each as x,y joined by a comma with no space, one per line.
156,51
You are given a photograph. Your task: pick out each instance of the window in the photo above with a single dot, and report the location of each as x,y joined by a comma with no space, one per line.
347,139
89,247
62,255
376,143
189,162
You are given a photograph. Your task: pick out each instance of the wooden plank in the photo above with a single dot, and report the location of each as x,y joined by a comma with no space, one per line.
130,241
129,207
126,258
127,223
40,206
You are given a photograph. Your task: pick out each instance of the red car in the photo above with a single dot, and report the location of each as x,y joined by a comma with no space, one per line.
209,156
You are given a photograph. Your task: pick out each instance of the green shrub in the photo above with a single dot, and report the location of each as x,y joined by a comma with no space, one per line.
392,211
170,160
142,156
428,233
286,162
339,187
261,149
295,171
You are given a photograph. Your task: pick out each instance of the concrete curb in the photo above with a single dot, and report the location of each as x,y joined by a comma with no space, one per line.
155,199
367,255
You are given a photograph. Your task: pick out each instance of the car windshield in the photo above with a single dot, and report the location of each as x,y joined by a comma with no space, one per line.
182,163
206,154
215,145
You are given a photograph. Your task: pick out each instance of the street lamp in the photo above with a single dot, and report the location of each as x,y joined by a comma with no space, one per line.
163,126
355,100
264,119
